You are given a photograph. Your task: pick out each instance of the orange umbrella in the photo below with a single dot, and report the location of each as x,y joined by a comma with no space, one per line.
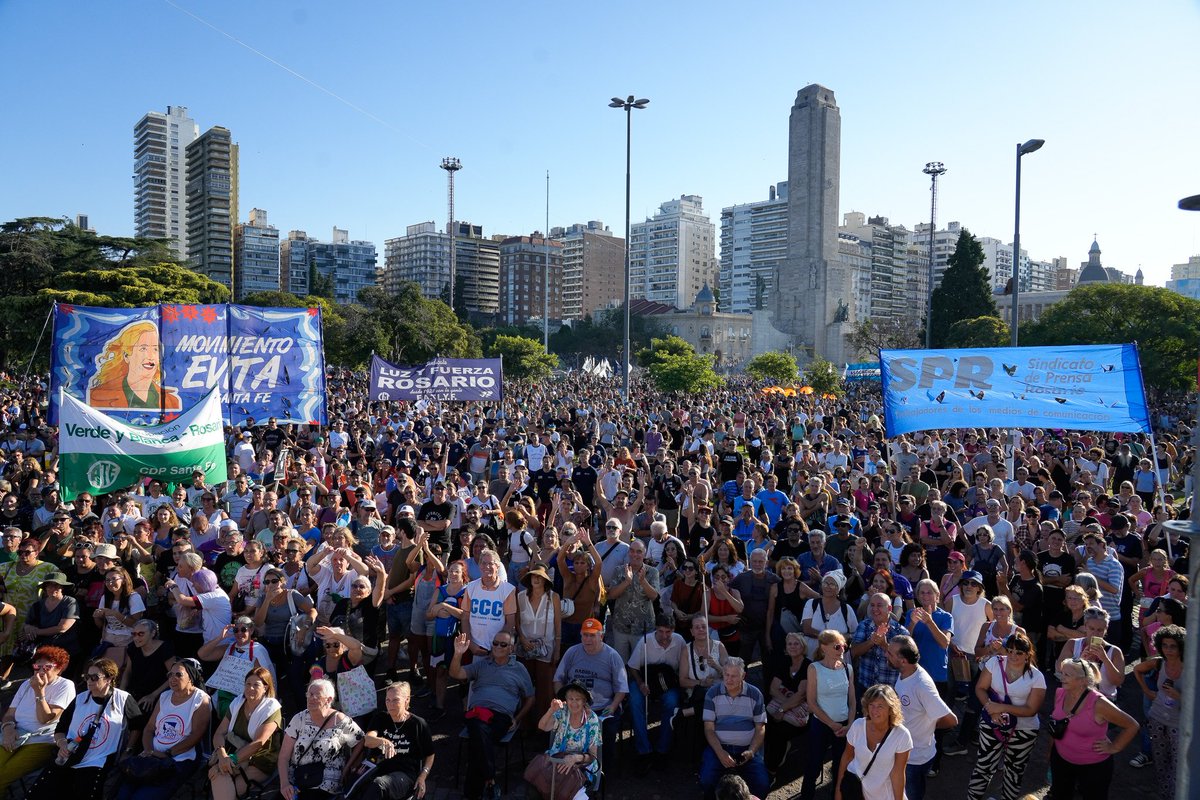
790,391
806,390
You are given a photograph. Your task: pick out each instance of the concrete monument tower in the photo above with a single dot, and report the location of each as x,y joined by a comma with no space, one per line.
813,302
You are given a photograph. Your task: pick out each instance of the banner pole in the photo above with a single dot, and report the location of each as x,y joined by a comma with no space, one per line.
33,354
1162,500
891,480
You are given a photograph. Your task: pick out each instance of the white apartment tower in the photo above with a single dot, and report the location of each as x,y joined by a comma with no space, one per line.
753,246
673,254
160,176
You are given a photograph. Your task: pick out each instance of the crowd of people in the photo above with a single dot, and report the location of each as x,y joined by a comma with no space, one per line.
768,587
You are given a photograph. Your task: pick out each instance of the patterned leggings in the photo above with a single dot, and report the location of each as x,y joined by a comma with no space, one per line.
1164,743
1012,755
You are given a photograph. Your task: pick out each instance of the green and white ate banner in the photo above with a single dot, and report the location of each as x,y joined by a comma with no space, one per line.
98,453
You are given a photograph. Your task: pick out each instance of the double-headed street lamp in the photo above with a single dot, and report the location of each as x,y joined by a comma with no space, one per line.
1190,714
628,104
1031,146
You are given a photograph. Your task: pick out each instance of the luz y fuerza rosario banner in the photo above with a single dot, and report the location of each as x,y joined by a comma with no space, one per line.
443,379
145,365
1085,387
99,453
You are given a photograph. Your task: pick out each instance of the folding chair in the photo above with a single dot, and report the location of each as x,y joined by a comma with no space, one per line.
505,744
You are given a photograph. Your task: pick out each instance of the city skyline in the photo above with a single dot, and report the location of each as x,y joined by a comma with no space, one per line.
911,84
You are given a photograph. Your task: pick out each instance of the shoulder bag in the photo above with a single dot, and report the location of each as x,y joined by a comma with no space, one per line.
312,775
89,733
851,784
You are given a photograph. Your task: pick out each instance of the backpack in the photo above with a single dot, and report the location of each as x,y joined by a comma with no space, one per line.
300,629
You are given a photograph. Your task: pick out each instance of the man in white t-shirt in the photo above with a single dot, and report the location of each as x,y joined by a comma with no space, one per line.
925,713
1002,529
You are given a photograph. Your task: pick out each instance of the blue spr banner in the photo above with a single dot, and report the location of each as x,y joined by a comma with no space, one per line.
1085,387
443,379
145,365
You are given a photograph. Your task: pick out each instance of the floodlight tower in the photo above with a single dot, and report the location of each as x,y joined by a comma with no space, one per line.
451,165
933,169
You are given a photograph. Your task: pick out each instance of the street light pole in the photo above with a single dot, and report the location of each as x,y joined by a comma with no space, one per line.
628,104
933,169
1022,149
1190,712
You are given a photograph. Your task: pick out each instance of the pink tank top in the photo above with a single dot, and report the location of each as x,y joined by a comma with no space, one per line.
1083,731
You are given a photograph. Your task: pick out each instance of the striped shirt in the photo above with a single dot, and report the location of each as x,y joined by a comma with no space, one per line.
1110,571
734,718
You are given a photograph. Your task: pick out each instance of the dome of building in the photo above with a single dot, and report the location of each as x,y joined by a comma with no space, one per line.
705,295
1092,270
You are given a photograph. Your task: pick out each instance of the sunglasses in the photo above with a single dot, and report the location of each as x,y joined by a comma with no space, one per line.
270,581
27,552
501,644
332,645
92,677
241,629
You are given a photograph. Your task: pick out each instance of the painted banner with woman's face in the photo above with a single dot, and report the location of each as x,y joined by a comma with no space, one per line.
145,365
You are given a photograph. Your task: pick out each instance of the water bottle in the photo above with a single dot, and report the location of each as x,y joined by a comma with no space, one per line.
72,746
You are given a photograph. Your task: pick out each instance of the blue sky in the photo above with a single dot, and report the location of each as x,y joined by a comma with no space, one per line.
517,89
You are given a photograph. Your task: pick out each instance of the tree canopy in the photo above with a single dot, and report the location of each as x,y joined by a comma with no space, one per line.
524,358
964,293
886,333
824,377
773,366
46,260
412,329
979,332
660,348
1165,325
690,374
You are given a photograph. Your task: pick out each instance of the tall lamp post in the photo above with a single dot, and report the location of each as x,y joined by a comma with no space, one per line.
1033,145
933,169
1190,713
628,104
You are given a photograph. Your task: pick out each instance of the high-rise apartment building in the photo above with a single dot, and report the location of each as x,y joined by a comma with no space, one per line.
593,268
422,256
212,198
1185,278
295,261
673,254
888,284
753,248
160,144
525,279
346,266
255,256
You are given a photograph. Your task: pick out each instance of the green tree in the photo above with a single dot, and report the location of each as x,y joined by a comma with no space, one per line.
964,293
684,372
1165,325
773,366
660,348
871,336
319,285
979,332
488,336
44,260
823,377
523,357
414,330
